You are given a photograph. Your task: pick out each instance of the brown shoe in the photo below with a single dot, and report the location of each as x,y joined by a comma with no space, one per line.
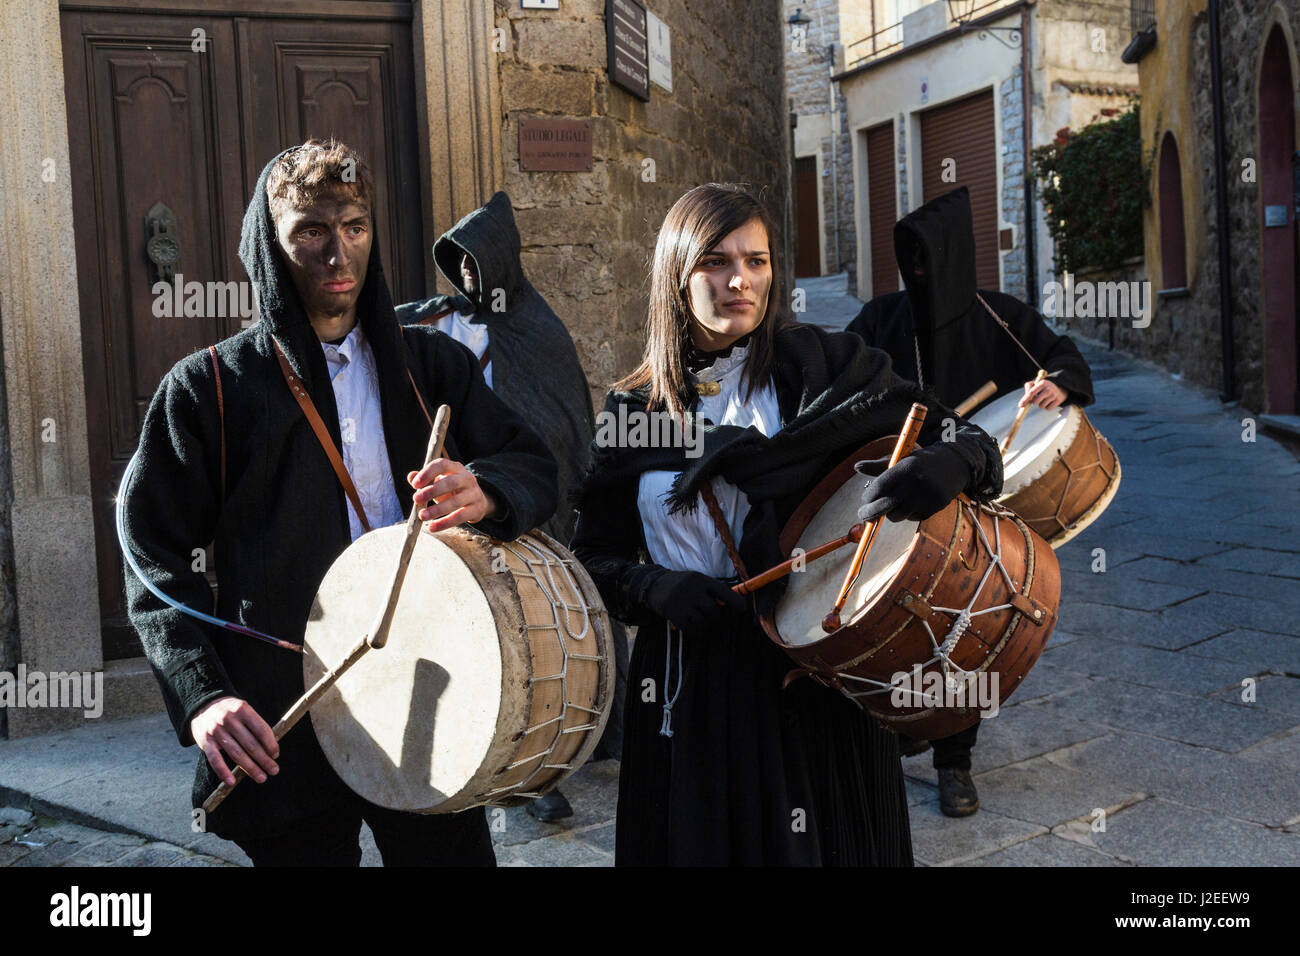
957,796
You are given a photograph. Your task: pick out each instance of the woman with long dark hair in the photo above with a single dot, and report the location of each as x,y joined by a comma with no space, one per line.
721,765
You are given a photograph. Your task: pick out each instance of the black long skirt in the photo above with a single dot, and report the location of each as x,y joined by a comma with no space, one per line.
752,774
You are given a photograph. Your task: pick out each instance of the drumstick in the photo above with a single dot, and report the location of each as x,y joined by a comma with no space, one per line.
377,637
1015,426
785,567
984,391
903,448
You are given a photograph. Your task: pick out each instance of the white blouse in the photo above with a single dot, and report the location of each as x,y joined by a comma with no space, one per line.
688,541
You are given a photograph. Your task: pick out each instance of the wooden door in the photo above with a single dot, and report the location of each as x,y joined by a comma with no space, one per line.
807,199
963,133
169,135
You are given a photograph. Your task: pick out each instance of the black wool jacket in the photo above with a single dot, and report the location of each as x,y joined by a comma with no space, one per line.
960,344
283,519
834,395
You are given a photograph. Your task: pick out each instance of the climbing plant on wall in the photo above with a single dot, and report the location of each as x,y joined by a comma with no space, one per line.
1093,184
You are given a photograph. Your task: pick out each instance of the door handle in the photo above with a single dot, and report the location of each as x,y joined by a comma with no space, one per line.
163,246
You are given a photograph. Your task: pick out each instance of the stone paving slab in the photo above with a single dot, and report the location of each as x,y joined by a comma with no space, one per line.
1276,755
945,841
1255,651
1134,627
1229,612
1042,792
1161,833
1278,590
1281,695
1203,722
1049,850
41,841
1253,790
1045,680
1284,564
1149,537
1147,666
1121,588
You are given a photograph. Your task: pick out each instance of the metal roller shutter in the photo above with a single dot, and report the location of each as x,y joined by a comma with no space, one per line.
964,131
882,208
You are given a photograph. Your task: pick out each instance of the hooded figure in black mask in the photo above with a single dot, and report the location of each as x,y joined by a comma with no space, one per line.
941,322
227,456
940,318
529,360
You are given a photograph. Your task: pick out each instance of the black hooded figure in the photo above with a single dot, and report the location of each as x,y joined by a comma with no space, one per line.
534,368
280,524
960,346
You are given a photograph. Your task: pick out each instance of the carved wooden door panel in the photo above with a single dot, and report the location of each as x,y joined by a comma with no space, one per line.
170,120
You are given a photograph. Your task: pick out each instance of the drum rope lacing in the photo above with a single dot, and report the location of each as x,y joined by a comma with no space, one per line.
533,559
962,619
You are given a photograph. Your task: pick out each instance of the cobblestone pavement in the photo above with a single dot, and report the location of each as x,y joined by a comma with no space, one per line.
1160,727
29,839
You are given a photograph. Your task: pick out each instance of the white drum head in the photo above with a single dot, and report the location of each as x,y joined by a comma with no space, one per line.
410,723
1041,435
812,592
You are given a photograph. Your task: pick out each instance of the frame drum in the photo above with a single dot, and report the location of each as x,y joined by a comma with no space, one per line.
951,601
496,680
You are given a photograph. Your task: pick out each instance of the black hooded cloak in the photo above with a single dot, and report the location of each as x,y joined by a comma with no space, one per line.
284,518
754,774
961,345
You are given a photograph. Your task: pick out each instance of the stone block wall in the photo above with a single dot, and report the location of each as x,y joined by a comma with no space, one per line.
588,236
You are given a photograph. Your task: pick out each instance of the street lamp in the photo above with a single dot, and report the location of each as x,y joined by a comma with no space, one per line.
962,13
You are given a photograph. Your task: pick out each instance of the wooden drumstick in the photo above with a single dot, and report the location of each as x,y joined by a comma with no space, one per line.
984,391
1015,426
785,567
903,448
377,637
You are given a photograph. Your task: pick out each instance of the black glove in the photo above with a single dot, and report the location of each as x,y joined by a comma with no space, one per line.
691,600
917,487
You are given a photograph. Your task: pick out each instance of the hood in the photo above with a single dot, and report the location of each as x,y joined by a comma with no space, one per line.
942,231
277,298
491,238
282,315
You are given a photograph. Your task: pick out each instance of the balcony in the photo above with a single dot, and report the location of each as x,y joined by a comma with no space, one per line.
921,25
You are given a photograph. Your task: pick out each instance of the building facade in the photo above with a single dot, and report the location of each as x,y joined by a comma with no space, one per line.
132,132
938,99
1237,336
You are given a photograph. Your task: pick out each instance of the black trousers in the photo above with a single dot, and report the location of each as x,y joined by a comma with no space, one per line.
955,751
404,839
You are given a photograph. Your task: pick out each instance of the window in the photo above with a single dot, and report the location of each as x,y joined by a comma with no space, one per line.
1173,245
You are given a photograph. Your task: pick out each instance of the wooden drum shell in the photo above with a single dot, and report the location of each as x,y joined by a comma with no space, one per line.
943,567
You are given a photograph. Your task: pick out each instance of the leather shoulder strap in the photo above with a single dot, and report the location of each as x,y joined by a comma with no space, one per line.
720,525
221,412
322,433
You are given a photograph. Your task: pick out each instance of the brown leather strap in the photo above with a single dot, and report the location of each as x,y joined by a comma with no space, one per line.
720,524
322,433
419,398
486,358
221,412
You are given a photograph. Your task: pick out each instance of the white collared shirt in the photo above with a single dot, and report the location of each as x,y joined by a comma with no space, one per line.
473,335
689,541
361,426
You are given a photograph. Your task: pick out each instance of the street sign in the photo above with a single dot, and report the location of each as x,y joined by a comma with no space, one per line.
628,51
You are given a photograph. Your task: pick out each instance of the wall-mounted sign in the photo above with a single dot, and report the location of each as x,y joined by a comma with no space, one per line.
1274,216
554,145
628,51
541,4
660,39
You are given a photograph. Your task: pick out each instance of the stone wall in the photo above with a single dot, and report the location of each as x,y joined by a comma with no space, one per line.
1011,113
8,606
588,236
1185,333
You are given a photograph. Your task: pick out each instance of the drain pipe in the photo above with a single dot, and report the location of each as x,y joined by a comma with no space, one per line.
835,149
1221,208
